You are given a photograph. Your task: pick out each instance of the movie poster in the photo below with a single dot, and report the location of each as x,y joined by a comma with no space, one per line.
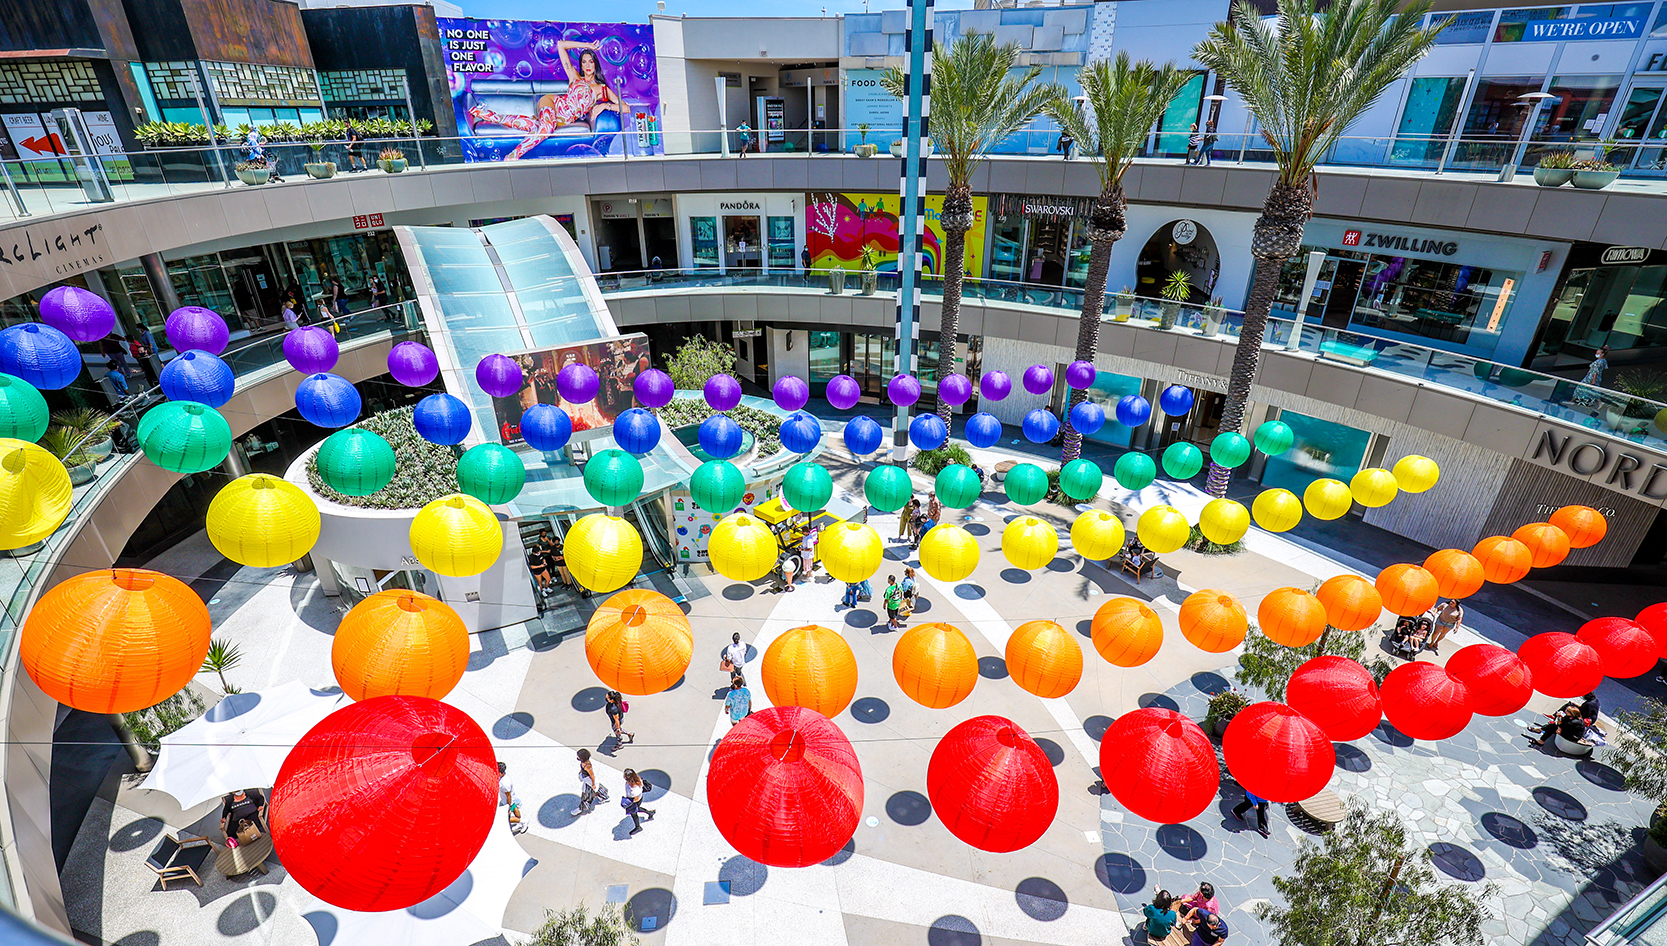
533,89
838,226
616,361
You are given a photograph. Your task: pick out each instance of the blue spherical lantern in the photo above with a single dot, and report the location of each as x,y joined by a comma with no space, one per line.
636,431
983,430
801,432
927,432
1040,425
720,437
40,355
791,393
442,419
1175,400
545,427
198,376
1133,410
1088,417
863,435
328,400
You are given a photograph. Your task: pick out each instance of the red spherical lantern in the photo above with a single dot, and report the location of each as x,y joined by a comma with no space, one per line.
1498,681
1503,559
992,785
1624,648
385,802
1407,589
1548,544
1457,573
1654,620
1277,753
1423,702
785,788
1159,765
1584,525
1338,694
1562,665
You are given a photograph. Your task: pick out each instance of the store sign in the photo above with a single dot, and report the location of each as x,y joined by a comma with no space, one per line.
1185,232
1601,460
749,333
751,205
66,249
1043,207
1403,242
1622,255
656,208
617,210
1351,238
367,221
1557,30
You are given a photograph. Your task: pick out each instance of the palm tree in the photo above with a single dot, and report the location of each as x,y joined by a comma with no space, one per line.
1305,76
978,101
1122,100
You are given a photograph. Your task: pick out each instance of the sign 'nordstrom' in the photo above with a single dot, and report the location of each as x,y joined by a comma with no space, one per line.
1608,463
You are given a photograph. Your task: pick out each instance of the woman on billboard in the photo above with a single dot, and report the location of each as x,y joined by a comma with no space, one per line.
588,95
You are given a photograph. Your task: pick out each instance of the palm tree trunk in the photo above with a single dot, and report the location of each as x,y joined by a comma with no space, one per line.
956,220
1276,238
1106,225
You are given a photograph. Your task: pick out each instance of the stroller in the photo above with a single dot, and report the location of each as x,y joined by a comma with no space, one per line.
1408,637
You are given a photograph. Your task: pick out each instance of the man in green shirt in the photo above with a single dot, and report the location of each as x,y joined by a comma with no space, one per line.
893,598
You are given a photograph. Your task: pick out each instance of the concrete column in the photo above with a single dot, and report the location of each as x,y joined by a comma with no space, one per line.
160,285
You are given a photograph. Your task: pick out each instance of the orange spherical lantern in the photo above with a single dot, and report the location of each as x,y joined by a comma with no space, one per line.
1458,574
935,665
1548,544
813,667
1407,589
1126,632
115,640
400,643
1291,616
1214,621
1503,559
639,642
1044,659
1351,603
1584,525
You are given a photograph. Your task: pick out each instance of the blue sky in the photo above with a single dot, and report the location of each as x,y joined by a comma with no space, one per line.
638,11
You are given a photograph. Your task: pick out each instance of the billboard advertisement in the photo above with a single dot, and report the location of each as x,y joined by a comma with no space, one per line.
838,226
616,362
691,526
538,89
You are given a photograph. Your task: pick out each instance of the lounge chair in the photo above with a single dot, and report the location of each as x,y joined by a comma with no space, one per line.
180,859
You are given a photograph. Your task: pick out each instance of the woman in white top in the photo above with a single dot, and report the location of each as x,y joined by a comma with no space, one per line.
632,801
291,320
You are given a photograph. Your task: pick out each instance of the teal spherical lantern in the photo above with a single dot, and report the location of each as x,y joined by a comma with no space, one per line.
493,474
1275,437
1229,450
1182,461
356,462
612,477
23,412
1134,471
717,487
807,487
1080,479
185,436
888,488
957,486
1025,484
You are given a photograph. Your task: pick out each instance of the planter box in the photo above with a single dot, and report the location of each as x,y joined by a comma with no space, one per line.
1212,323
1121,310
869,281
392,167
1168,314
1594,180
1553,177
867,151
836,281
255,176
898,148
321,171
82,473
102,450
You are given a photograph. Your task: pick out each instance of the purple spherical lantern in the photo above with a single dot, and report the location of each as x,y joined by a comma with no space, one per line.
843,391
903,390
194,327
722,392
653,388
791,393
311,350
1038,379
995,385
577,383
499,375
82,315
955,390
413,364
1080,375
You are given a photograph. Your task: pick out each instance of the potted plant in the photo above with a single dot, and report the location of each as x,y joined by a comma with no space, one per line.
1592,174
1212,318
870,262
65,444
1555,169
253,172
1176,290
391,160
866,150
897,148
836,281
96,426
1223,707
318,168
1125,304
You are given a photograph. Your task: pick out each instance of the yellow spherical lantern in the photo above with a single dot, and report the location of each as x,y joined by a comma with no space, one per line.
1163,529
1097,535
639,642
1044,659
1291,617
35,494
1373,488
948,552
850,552
603,552
1126,632
1029,543
1416,474
1327,499
456,535
400,643
1214,621
1224,521
935,665
812,667
742,548
1277,510
262,521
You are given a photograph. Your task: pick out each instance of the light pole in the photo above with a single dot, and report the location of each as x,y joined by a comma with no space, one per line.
1536,99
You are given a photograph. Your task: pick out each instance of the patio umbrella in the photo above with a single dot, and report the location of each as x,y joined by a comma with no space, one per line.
240,742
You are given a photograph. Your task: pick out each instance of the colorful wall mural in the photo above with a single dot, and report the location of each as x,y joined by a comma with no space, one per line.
838,226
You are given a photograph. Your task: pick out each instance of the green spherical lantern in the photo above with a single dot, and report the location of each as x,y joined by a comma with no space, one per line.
957,486
356,462
612,477
717,487
1275,437
1229,450
888,488
1080,479
493,474
1134,471
1026,484
185,436
23,412
807,487
1182,461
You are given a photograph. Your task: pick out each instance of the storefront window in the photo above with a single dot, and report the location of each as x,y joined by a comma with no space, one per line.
742,247
1578,112
1175,127
1006,255
1466,27
1107,390
782,243
1513,24
1432,104
824,356
1624,307
703,233
1322,449
1494,121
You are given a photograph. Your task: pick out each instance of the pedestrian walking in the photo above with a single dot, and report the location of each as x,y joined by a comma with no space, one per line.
807,552
893,599
355,149
852,589
635,785
1065,143
116,374
744,131
589,791
1194,142
735,655
1586,397
739,700
616,708
506,798
1209,144
908,586
1447,620
905,517
1261,806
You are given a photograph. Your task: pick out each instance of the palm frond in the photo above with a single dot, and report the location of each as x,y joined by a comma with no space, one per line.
1122,101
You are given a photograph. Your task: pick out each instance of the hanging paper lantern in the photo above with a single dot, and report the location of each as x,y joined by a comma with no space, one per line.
115,640
887,488
1547,544
927,432
546,427
1224,521
493,474
1080,375
328,400
1424,702
1561,665
1415,474
40,355
1584,525
1338,694
1327,499
1498,681
1229,450
1407,590
1654,620
1624,648
1163,529
995,386
948,552
955,389
991,785
639,642
35,494
903,390
812,667
742,548
1182,461
400,643
262,521
1277,753
717,486
1503,559
843,391
654,388
184,436
807,487
1097,535
1029,543
1134,471
499,375
785,788
957,486
1080,480
1277,510
441,419
413,364
458,536
1044,659
982,430
722,392
637,431
1087,418
1175,400
194,327
1275,437
362,799
1291,617
720,437
1373,488
1351,602
612,477
1159,765
863,435
801,432
935,665
1038,379
198,376
577,383
1133,410
83,315
23,411
851,552
603,552
1214,621
311,349
1126,632
1026,484
790,393
1457,573
1040,425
